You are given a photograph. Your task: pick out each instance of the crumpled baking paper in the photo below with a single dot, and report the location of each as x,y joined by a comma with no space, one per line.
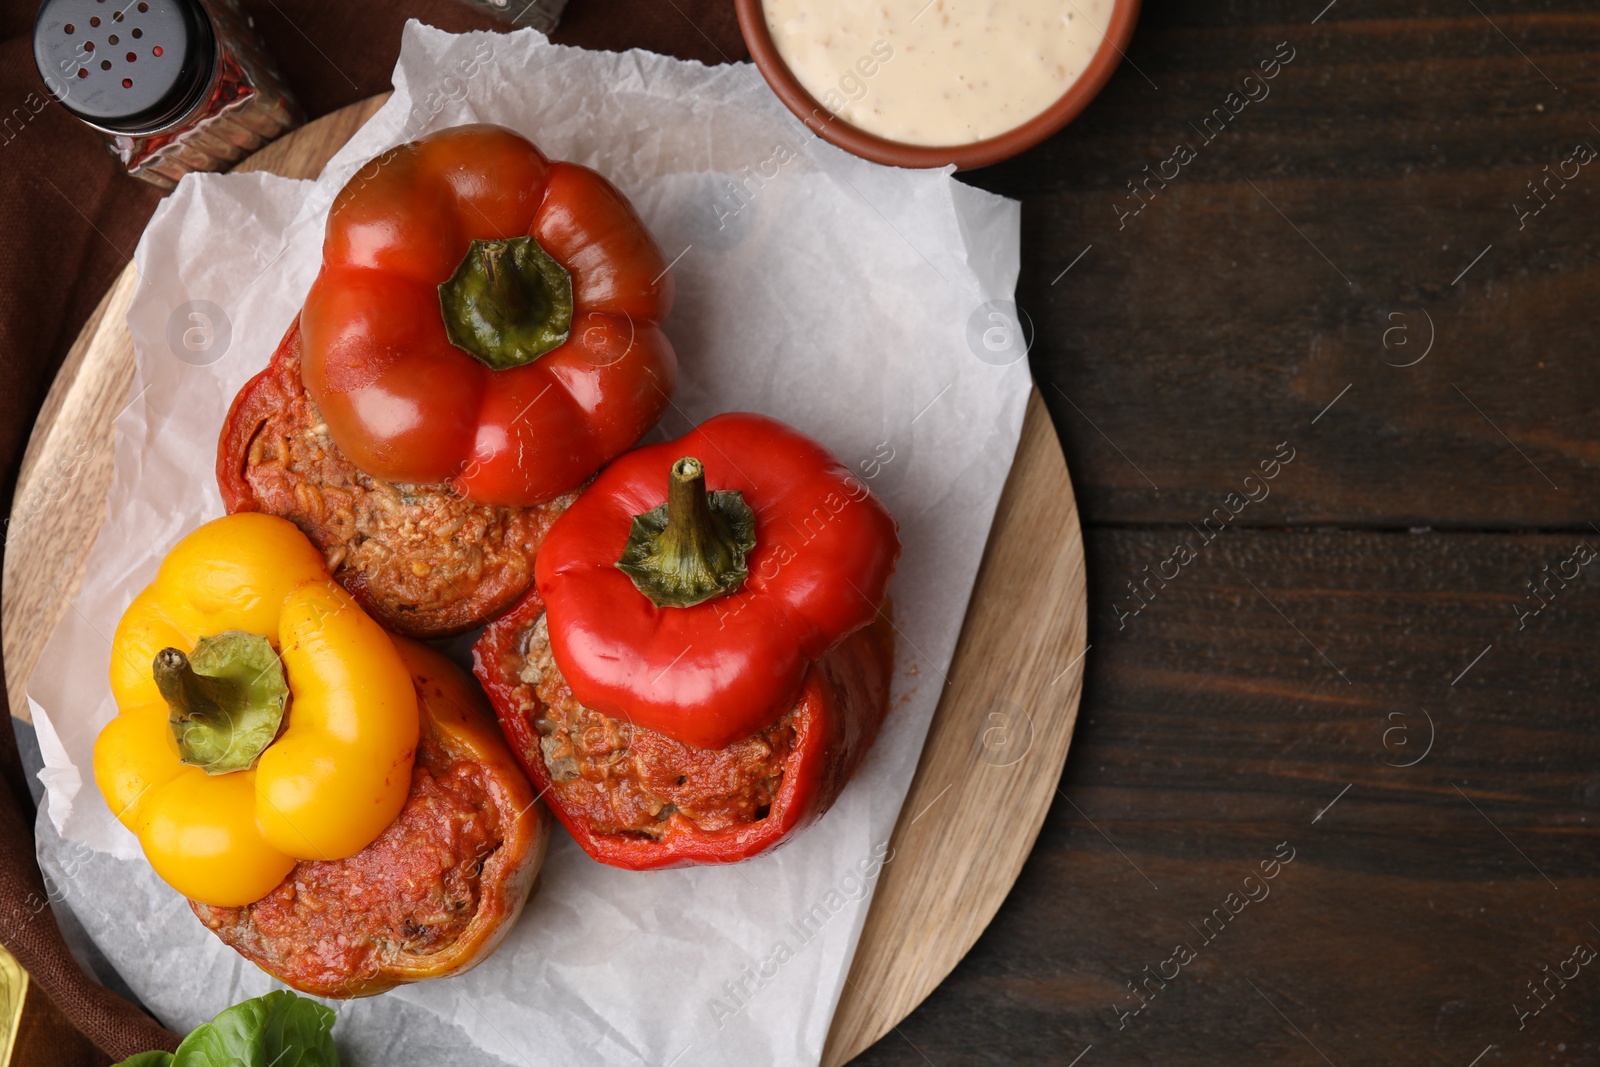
866,305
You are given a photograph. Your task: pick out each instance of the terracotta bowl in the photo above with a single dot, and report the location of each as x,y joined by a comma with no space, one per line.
753,24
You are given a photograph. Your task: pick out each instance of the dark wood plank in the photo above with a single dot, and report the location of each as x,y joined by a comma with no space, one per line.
1407,926
1204,330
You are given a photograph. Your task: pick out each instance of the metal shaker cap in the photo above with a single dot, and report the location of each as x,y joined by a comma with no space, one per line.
125,66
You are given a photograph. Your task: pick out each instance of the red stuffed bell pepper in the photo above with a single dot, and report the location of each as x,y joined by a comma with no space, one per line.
700,672
421,560
488,318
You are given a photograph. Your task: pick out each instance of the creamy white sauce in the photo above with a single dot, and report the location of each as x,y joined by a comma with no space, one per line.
945,72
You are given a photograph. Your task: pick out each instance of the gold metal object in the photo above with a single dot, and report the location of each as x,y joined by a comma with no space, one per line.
13,991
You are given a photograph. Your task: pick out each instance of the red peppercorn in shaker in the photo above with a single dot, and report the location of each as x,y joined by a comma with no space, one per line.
172,85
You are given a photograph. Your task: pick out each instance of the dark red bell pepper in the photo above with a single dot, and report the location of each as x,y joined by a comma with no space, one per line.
693,604
487,318
706,658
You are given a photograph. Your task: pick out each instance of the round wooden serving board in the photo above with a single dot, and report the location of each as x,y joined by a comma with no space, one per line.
994,752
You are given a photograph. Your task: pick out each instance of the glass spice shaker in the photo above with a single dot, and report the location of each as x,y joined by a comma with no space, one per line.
541,15
173,86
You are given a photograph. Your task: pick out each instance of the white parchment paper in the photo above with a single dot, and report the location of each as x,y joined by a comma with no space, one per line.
866,305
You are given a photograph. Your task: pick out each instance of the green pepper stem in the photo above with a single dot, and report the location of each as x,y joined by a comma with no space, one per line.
504,288
191,697
692,548
225,703
508,302
691,533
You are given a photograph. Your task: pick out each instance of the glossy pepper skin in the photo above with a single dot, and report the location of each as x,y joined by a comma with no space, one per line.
707,675
403,401
332,780
841,703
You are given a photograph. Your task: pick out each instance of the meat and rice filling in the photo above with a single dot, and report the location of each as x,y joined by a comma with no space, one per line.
421,559
410,893
621,778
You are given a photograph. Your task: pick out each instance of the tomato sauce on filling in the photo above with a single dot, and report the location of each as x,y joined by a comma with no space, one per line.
424,560
621,778
410,893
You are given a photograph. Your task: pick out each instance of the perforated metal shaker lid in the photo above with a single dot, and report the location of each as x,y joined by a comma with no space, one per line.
127,66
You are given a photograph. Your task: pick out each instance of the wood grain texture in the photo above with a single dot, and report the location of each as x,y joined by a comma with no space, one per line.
61,491
66,471
1416,909
989,765
1260,282
994,752
1183,348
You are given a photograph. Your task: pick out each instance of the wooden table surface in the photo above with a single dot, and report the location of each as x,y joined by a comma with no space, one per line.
1271,690
1345,265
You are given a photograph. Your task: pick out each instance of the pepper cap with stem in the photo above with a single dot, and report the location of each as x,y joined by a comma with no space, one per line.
692,548
226,699
508,303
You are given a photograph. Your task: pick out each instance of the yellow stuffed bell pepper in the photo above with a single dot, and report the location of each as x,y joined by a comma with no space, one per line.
263,718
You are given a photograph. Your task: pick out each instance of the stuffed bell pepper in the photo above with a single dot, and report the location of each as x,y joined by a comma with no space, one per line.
336,803
706,658
485,333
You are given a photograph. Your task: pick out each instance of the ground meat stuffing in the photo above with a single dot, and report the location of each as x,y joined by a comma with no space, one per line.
424,561
412,892
621,778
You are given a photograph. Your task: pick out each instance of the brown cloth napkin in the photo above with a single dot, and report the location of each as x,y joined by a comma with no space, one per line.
69,220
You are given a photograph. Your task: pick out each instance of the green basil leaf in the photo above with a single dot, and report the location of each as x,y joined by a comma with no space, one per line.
146,1059
277,1030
